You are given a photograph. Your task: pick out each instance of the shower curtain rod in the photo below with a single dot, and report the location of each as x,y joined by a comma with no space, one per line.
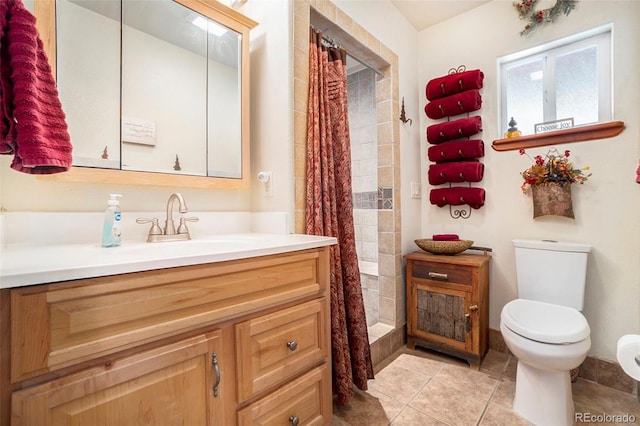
332,43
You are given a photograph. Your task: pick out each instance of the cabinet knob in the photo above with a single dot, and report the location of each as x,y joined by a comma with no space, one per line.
294,420
292,345
473,307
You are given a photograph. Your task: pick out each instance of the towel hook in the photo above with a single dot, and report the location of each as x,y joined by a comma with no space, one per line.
461,68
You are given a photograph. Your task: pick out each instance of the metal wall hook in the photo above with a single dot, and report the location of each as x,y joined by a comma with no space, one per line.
459,213
403,115
461,68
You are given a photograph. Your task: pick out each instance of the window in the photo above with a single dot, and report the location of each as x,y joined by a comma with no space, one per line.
570,78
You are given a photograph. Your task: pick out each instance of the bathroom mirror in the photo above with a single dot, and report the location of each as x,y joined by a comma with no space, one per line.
152,86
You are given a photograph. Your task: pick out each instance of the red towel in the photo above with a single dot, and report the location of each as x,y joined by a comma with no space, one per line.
455,171
32,122
456,196
445,237
454,83
459,103
456,150
455,129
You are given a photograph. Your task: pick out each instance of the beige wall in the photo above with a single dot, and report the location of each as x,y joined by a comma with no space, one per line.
606,207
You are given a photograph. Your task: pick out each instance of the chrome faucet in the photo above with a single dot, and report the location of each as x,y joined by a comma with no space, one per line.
157,234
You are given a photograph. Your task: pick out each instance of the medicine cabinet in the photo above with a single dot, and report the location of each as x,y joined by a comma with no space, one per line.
156,92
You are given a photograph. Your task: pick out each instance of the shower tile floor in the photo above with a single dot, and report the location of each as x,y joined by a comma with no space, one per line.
424,388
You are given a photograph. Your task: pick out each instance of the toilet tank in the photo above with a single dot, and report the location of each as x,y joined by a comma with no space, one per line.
552,271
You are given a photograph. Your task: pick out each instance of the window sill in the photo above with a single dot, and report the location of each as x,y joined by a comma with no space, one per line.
575,134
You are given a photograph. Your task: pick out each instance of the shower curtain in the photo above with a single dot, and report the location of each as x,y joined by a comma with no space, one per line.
329,212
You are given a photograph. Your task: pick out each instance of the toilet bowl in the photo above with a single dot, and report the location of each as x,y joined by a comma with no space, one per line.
548,340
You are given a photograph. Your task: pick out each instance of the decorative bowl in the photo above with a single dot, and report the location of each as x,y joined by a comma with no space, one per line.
443,247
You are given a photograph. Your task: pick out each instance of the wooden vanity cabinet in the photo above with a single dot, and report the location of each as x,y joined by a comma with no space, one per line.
194,345
448,304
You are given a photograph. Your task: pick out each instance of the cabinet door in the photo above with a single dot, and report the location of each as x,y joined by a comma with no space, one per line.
442,315
176,384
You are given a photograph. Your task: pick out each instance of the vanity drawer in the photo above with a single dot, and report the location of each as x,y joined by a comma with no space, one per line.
274,348
307,398
436,271
59,325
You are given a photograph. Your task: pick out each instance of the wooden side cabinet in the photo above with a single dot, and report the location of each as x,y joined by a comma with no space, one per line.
448,304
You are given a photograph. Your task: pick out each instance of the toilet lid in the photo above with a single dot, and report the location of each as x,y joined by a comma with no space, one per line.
544,322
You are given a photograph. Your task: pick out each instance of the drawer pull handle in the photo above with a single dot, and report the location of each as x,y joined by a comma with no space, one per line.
292,345
216,369
438,276
294,420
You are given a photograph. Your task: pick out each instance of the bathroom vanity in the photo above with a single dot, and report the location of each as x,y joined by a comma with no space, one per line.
242,340
448,304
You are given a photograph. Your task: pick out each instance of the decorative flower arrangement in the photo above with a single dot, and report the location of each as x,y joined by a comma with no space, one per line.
527,11
553,167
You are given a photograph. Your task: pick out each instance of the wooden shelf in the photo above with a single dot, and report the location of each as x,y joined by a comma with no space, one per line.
575,134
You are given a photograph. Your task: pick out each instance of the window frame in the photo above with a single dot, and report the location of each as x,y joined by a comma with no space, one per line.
601,37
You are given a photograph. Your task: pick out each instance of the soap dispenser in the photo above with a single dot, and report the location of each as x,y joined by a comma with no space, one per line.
111,229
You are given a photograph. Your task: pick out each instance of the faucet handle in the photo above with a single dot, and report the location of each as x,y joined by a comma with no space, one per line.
155,227
182,228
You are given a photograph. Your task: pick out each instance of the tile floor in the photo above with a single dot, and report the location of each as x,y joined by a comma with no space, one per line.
423,388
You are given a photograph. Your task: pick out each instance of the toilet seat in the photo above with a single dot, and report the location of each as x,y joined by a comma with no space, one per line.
545,322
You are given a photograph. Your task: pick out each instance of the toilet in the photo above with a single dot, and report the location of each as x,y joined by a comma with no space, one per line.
545,329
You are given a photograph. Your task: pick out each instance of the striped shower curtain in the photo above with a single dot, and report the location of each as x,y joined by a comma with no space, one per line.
329,212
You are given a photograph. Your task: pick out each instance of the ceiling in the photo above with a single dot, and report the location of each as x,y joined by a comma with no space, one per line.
425,13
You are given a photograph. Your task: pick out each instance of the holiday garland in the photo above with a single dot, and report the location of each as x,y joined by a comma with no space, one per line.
527,12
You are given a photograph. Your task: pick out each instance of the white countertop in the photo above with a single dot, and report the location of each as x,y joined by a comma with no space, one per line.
28,264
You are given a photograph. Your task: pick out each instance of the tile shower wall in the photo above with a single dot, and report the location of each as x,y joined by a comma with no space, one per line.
366,196
364,164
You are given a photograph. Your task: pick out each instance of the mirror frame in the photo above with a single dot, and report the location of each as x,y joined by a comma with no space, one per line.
45,12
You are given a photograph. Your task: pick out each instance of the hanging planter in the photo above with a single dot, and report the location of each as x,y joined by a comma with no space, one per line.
550,178
552,199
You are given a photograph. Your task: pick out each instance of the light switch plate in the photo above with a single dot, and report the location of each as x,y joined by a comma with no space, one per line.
415,190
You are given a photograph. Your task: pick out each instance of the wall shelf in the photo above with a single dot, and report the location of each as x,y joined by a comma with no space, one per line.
575,134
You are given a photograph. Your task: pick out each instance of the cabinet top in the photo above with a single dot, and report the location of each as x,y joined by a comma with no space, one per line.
456,259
